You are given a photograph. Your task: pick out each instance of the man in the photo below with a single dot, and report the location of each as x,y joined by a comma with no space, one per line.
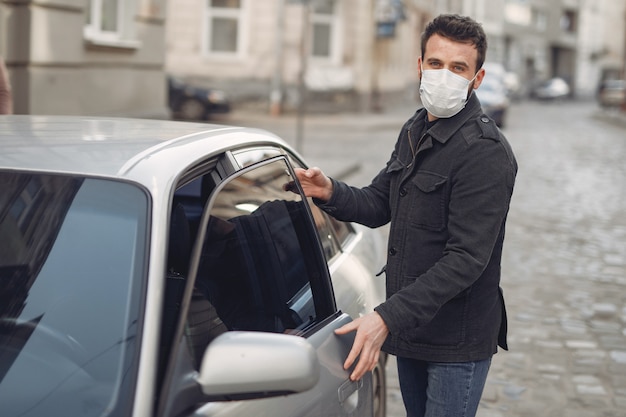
6,99
446,191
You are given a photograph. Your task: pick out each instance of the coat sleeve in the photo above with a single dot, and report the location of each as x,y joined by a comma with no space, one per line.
368,206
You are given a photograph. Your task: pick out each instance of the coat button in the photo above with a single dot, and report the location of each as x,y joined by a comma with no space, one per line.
392,251
484,119
403,192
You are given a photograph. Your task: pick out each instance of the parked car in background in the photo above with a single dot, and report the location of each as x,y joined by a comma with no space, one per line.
493,97
157,268
552,89
612,93
192,102
513,85
509,79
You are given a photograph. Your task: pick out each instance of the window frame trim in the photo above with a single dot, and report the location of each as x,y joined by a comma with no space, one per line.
335,43
123,37
242,18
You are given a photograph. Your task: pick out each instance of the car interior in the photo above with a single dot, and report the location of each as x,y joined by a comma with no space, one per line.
254,266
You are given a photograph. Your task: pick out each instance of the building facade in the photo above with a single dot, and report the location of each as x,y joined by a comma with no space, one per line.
347,50
110,57
270,50
85,57
581,41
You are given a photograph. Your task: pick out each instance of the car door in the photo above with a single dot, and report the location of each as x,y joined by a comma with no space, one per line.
259,266
354,254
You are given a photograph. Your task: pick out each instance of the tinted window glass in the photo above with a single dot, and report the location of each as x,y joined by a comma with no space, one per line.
333,233
72,254
324,224
261,266
343,231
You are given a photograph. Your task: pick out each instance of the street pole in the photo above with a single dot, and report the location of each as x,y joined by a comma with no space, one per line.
304,40
375,105
276,96
624,58
624,47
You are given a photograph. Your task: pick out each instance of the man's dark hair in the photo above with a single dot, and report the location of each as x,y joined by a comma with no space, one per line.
459,29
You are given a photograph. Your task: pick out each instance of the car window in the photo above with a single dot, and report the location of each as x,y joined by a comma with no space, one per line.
261,266
72,264
332,232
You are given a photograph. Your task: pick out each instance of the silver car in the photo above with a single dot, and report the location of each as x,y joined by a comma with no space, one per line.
158,268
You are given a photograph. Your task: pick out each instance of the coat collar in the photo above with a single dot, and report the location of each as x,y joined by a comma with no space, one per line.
444,129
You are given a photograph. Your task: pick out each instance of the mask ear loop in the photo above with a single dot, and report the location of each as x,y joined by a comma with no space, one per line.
471,82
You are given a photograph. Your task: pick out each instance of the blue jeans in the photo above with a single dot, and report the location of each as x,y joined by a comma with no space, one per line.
435,389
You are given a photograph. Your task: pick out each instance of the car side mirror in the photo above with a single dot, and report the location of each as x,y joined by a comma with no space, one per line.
241,365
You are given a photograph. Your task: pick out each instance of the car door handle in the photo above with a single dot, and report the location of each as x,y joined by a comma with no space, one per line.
348,388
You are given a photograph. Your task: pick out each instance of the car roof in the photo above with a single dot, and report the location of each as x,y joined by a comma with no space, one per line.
143,150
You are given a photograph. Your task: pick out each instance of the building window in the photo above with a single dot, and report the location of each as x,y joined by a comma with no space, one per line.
568,21
540,20
104,15
224,26
110,22
324,30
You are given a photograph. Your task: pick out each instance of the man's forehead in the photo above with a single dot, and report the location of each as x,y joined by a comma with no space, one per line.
441,48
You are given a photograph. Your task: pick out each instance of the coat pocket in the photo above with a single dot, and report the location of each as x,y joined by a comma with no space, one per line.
428,205
448,327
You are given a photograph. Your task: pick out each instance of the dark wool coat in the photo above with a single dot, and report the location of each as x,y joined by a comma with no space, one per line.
447,200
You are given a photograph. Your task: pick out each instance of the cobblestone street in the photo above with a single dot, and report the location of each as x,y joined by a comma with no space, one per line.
564,271
564,266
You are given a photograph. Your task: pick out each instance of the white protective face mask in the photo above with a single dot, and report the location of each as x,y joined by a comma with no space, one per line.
443,93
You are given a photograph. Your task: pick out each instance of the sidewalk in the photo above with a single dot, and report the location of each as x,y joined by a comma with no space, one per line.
339,143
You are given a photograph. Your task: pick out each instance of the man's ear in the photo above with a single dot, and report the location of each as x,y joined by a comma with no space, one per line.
479,78
419,67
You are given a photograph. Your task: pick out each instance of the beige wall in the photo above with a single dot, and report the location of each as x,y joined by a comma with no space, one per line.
354,70
55,70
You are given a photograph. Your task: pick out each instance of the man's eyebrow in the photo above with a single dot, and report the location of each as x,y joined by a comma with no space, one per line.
433,61
460,63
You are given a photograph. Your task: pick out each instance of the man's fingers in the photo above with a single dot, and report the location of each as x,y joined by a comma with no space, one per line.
312,172
347,328
307,173
370,335
354,351
366,357
356,346
314,183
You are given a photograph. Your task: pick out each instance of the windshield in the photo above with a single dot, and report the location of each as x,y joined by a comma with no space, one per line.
72,254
